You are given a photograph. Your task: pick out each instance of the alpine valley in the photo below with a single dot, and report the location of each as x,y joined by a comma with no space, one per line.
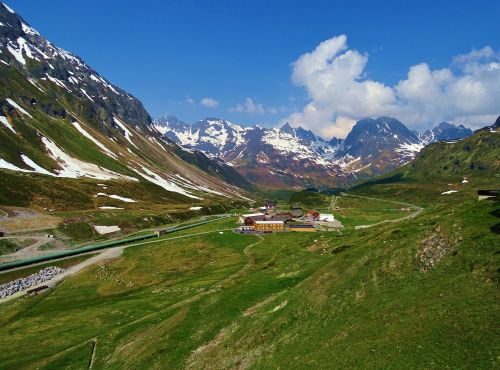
133,243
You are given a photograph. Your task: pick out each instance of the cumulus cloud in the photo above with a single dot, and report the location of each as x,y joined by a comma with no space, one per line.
340,92
209,102
250,106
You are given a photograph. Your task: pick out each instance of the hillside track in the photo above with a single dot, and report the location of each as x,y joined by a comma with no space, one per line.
414,214
213,289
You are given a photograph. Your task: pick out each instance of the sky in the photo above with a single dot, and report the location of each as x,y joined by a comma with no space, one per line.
319,64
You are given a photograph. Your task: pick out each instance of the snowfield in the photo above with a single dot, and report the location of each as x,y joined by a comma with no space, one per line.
106,229
160,181
127,132
6,123
74,168
449,192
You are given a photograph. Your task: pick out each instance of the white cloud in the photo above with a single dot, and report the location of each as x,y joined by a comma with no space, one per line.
250,106
340,92
209,102
190,100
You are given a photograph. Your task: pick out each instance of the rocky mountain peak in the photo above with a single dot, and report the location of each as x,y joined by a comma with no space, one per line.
445,131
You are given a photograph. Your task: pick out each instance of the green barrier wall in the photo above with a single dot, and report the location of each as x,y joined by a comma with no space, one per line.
95,247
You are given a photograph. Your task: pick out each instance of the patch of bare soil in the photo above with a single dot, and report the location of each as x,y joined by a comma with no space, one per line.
24,219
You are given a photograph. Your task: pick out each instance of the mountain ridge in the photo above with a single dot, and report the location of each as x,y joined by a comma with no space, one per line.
60,119
296,157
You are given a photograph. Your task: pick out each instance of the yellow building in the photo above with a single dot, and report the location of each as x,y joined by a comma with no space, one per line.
269,225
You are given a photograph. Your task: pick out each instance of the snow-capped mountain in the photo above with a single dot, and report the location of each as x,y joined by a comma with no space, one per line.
60,119
283,156
24,47
445,131
294,156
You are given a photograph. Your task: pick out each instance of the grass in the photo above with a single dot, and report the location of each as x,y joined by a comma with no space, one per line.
350,300
8,246
355,211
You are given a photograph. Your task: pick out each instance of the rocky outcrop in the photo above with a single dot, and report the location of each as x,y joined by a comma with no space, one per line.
433,248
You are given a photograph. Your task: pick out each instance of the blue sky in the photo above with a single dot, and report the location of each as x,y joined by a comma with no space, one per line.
173,54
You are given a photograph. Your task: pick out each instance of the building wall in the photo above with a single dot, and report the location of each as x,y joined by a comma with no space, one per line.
303,230
268,226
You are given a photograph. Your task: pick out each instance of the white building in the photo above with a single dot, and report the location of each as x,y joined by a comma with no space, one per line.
242,218
328,217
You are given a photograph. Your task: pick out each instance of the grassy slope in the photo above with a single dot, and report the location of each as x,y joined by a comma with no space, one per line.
352,300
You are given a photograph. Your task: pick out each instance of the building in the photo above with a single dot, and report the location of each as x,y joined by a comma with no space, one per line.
485,194
328,217
269,225
269,204
302,227
281,216
245,229
254,216
312,215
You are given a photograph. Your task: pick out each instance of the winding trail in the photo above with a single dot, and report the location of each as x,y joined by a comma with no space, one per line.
212,289
414,214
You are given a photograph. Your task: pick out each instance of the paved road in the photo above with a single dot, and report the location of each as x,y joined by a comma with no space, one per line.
417,211
106,254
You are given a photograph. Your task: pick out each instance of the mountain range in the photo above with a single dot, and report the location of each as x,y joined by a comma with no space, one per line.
296,157
60,118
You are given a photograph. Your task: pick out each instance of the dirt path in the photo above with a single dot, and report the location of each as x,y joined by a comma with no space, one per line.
414,214
212,289
333,202
102,255
29,251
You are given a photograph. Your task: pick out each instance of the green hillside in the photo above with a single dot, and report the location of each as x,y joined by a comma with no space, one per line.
419,293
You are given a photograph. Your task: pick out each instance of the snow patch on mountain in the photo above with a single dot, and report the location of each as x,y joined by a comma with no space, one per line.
36,167
74,168
163,183
18,107
410,149
82,131
6,123
127,132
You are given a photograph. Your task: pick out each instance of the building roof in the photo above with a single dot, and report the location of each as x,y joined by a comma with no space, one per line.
326,215
253,215
302,226
269,222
